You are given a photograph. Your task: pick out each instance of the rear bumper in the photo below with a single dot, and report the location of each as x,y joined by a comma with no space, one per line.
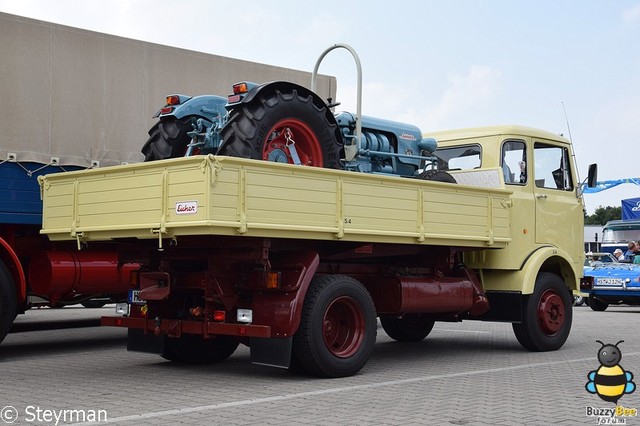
175,328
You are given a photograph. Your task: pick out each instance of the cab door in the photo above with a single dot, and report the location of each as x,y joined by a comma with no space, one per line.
559,213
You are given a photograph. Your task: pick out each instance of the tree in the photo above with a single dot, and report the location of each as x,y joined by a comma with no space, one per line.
603,214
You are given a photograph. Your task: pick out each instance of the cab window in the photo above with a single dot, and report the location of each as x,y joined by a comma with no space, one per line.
552,170
514,162
459,158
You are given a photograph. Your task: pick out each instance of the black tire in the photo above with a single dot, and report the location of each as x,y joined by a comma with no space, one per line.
168,139
194,349
409,328
547,315
338,327
256,129
437,175
597,304
8,301
93,304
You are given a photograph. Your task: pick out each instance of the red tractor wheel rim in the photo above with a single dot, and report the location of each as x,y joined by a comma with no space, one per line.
276,147
343,327
551,313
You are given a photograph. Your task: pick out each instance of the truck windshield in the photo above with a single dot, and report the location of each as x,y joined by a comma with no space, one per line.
612,235
459,158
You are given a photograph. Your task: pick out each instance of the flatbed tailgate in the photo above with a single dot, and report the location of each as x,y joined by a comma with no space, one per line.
209,195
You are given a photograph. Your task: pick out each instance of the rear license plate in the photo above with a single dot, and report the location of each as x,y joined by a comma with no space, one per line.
134,297
609,281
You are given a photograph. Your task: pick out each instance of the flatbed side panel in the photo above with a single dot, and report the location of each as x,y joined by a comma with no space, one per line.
231,196
460,213
275,198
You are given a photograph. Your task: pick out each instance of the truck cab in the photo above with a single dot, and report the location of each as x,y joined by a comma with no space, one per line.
546,207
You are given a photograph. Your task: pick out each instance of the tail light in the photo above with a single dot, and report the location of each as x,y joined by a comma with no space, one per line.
586,283
240,88
173,100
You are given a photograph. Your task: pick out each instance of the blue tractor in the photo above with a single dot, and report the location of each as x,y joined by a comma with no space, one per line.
288,123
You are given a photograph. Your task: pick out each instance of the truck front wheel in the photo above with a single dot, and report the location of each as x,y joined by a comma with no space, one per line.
409,328
547,315
338,327
8,302
283,125
194,349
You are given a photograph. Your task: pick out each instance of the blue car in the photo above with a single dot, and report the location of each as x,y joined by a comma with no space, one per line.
613,283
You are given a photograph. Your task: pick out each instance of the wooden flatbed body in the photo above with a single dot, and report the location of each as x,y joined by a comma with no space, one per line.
215,195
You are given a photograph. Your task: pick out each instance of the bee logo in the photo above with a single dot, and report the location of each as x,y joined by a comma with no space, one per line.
610,381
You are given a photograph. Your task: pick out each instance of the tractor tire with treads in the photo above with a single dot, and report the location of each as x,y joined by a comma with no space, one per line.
265,127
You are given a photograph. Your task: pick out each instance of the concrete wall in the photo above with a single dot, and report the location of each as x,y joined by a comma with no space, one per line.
80,95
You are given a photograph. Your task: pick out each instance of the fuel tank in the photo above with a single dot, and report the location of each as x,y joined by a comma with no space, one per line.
58,273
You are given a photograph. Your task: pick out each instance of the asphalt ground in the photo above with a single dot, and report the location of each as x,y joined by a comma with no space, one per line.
57,367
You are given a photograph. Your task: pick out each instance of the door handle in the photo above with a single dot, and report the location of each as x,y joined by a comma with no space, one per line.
541,196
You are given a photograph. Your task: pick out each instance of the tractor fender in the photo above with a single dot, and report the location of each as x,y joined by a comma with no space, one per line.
209,107
11,260
275,86
548,259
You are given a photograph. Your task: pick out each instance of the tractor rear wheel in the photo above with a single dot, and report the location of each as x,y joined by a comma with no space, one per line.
168,138
409,328
547,315
437,175
194,349
283,125
337,329
8,301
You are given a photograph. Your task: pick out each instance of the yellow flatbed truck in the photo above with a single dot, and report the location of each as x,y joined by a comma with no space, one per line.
253,237
297,262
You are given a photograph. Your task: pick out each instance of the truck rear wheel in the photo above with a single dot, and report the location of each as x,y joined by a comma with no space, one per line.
277,120
168,138
597,304
409,328
338,327
547,315
194,349
8,301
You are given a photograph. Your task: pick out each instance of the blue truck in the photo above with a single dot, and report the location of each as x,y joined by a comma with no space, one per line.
36,272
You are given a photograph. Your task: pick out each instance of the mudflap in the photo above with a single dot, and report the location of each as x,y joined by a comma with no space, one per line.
505,306
274,352
139,341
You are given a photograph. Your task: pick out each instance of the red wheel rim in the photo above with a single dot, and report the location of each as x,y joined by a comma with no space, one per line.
343,327
305,141
551,314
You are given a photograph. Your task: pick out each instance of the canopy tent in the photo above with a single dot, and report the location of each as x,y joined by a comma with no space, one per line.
608,184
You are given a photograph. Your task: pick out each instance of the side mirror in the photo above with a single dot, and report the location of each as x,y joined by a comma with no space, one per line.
593,176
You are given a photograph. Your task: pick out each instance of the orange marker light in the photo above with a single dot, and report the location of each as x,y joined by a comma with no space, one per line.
240,88
173,100
273,280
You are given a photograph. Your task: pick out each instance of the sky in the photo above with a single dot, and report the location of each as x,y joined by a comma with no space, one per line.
567,66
